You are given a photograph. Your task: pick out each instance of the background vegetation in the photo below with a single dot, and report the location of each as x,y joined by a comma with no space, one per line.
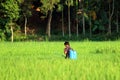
41,20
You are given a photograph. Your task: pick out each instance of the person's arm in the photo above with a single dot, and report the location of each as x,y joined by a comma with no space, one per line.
65,51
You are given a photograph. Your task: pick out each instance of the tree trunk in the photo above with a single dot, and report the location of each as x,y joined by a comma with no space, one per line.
63,33
48,31
109,27
83,24
83,18
110,17
77,32
117,23
12,36
90,27
69,19
25,27
76,3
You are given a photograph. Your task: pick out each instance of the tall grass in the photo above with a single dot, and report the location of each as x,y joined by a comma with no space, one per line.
45,61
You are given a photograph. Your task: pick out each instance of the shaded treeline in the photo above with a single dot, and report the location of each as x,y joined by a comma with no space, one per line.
59,19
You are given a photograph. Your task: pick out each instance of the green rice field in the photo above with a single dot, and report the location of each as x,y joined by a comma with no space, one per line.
45,61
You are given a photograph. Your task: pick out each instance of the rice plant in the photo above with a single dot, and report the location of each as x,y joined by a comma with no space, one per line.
45,61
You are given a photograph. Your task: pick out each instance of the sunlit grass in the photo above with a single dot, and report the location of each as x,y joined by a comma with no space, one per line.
45,61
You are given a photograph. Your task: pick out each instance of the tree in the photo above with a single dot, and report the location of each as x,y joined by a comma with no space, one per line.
111,12
3,21
76,16
47,8
96,15
61,8
11,12
26,12
91,14
117,22
83,18
69,3
117,11
63,33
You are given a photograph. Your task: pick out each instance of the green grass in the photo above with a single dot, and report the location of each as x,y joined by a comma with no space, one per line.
45,61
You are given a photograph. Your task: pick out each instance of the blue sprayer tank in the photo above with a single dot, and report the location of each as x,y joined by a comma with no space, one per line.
73,54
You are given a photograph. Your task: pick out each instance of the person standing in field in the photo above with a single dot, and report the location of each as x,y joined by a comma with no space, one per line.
66,49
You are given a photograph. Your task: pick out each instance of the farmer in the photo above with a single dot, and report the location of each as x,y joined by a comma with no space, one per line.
66,49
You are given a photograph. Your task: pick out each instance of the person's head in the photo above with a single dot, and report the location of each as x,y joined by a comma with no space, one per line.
66,44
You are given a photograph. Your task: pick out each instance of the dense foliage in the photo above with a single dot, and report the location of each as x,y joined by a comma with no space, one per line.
59,20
